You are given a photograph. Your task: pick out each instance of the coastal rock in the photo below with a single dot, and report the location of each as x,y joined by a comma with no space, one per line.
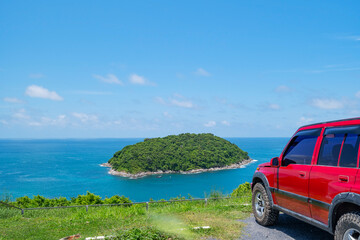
105,165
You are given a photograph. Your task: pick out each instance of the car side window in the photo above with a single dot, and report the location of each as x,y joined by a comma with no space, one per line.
349,151
300,150
330,149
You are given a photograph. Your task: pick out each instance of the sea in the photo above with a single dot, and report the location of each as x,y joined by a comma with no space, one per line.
69,167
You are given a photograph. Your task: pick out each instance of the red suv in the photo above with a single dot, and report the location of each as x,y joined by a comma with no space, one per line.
315,179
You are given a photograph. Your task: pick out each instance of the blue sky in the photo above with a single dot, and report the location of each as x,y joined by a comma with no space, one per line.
79,69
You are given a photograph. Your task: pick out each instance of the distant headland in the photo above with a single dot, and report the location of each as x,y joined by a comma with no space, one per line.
185,153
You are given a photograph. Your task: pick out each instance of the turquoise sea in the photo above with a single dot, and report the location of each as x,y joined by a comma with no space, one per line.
69,167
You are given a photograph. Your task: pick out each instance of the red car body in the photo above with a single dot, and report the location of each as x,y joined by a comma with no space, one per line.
316,178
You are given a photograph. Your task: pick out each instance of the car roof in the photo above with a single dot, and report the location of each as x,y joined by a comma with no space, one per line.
341,122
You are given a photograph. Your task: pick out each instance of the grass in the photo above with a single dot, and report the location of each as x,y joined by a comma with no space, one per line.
163,221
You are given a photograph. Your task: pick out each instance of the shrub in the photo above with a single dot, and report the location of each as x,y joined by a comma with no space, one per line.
242,190
24,202
88,199
116,199
215,194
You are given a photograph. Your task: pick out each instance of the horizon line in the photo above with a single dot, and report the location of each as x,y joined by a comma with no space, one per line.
83,138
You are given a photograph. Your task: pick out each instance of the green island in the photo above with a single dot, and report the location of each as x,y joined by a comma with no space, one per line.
184,153
162,220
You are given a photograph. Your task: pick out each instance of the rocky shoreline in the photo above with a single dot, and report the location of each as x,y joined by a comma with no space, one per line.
144,174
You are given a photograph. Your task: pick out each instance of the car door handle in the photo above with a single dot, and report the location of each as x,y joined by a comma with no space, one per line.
343,178
302,174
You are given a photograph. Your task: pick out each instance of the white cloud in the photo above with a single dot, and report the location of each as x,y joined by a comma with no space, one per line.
40,92
305,120
210,124
177,100
13,100
226,123
282,88
179,103
160,100
353,38
274,106
110,78
202,72
118,122
136,79
327,103
21,115
167,115
83,117
139,80
357,94
177,95
35,124
36,75
60,120
57,121
4,122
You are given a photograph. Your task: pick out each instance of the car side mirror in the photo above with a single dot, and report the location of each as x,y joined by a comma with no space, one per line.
274,162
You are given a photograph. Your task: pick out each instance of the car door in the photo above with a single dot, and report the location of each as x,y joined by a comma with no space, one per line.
293,174
335,169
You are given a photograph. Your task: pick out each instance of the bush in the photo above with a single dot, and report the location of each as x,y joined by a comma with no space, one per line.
24,202
88,199
117,200
242,190
215,194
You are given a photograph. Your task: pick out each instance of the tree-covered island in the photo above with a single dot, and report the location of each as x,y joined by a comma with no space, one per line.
184,153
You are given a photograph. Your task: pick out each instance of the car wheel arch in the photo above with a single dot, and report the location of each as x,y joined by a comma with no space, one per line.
343,203
261,178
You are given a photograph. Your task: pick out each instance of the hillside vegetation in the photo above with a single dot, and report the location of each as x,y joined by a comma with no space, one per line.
182,152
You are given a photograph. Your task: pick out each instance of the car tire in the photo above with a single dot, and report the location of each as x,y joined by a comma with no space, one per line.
263,212
348,226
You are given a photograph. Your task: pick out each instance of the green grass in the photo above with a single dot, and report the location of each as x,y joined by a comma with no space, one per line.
162,221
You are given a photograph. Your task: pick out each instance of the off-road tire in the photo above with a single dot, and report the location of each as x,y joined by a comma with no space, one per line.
269,215
347,222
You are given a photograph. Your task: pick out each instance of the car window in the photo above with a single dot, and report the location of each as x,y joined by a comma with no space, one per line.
300,150
349,151
330,150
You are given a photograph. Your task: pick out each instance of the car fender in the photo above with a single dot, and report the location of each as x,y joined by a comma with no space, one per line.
264,180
